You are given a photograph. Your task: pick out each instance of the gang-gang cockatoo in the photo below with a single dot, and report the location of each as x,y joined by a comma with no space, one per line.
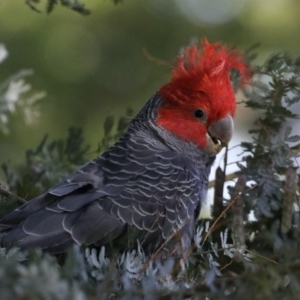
149,186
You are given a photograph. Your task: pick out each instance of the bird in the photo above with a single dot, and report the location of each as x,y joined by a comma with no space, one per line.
148,188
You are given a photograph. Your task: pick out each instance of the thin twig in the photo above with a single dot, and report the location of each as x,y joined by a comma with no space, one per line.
9,194
227,265
261,256
222,214
155,255
154,59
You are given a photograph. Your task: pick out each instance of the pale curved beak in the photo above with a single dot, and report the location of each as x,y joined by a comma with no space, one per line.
219,135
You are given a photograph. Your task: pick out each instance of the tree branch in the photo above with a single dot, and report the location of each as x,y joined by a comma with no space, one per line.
227,178
237,224
289,198
9,194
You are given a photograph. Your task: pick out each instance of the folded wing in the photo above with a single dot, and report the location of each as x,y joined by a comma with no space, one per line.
134,191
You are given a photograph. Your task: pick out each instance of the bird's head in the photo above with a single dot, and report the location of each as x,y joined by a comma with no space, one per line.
198,104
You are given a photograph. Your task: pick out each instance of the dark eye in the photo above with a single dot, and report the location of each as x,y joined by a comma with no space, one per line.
199,113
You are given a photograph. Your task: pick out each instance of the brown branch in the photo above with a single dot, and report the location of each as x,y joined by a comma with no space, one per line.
9,194
227,178
238,230
289,199
218,196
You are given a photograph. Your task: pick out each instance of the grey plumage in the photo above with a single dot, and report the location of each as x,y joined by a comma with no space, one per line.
147,186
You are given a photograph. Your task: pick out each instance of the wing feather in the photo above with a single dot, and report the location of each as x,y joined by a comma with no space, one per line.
89,228
140,190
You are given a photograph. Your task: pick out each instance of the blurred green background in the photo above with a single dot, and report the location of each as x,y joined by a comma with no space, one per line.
98,65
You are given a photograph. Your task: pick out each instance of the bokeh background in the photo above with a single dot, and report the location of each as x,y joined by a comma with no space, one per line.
98,65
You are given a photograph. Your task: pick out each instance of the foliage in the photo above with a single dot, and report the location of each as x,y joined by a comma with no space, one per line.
17,95
48,163
110,135
233,256
38,277
72,4
270,158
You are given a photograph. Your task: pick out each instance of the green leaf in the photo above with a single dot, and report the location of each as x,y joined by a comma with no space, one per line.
50,5
288,131
293,139
108,125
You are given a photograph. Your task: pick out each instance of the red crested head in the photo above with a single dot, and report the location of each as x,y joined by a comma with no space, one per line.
200,81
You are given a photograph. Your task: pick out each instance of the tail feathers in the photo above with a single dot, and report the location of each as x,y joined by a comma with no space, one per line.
54,243
17,216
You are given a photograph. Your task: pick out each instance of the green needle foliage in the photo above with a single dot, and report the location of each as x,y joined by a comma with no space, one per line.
49,163
74,5
233,256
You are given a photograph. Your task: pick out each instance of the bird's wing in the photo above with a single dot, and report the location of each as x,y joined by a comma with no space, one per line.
136,190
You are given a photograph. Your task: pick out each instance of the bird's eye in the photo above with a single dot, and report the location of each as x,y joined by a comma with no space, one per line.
199,114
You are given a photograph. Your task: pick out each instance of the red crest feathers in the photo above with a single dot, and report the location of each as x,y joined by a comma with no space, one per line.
210,60
204,69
